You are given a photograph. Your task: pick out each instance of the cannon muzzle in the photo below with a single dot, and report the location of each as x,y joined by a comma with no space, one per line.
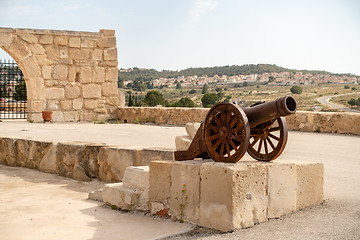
264,112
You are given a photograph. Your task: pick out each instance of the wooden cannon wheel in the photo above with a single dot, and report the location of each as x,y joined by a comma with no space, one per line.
268,140
226,133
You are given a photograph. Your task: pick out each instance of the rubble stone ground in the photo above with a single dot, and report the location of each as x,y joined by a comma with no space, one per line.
35,205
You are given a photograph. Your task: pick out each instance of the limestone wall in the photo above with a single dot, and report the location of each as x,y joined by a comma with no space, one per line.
74,74
78,160
300,121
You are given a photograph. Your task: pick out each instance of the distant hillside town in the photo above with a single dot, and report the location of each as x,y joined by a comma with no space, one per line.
250,74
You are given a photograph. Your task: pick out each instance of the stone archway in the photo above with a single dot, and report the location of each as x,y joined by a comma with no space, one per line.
73,74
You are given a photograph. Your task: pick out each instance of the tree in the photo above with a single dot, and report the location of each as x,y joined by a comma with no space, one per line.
347,87
354,102
204,89
20,92
178,85
192,91
209,99
296,90
184,102
153,98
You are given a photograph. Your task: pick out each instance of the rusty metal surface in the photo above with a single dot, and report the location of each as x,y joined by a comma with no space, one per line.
228,132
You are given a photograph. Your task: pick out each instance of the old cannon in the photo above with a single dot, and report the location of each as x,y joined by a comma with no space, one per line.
229,131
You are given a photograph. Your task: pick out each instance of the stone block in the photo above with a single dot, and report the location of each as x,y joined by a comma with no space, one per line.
94,156
192,128
184,203
90,104
111,75
233,195
91,91
98,75
68,155
36,49
6,40
123,197
87,43
109,89
182,143
79,54
110,54
72,91
74,42
55,93
310,184
118,160
97,54
58,116
64,52
46,39
71,116
282,185
107,32
8,151
65,105
61,40
46,72
160,181
60,72
151,154
77,104
96,195
19,50
52,105
29,38
31,153
107,42
49,161
137,177
30,68
85,75
52,51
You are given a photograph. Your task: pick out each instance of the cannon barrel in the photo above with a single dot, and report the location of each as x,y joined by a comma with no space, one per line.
268,111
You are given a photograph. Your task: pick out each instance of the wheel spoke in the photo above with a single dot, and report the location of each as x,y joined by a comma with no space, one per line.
231,125
260,144
212,127
227,149
222,149
216,144
216,136
233,144
217,121
274,129
255,141
238,138
274,137
270,142
266,147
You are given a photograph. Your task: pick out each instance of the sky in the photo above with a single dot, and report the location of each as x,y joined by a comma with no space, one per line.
178,34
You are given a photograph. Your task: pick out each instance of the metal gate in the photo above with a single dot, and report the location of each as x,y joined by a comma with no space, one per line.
12,91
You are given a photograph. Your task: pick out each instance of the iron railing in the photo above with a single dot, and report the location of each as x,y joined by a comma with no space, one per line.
13,96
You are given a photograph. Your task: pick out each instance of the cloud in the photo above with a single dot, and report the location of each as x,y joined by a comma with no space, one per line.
201,7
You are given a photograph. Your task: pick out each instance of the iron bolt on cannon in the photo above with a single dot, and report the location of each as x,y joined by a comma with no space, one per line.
229,131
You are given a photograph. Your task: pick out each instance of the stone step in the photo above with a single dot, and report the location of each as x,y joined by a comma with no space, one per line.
131,194
137,178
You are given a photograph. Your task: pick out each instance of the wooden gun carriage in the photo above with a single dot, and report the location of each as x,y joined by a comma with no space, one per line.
229,131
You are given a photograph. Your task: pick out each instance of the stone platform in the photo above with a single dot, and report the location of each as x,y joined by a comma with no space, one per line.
221,196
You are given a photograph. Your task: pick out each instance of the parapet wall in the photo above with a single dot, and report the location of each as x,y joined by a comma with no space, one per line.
78,160
300,121
73,74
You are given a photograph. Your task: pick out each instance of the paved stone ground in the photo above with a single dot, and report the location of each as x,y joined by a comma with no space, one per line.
25,204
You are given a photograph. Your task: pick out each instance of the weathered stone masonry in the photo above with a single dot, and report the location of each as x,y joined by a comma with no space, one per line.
74,74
